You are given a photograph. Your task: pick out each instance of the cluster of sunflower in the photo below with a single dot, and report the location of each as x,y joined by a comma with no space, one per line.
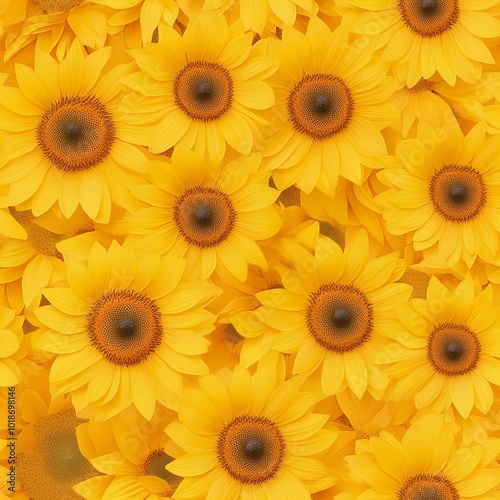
250,249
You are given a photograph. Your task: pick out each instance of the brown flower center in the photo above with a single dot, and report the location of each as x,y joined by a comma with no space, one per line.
204,216
339,317
418,280
154,465
42,240
203,90
55,463
76,133
125,326
457,192
428,487
320,105
421,86
429,18
453,349
51,6
251,449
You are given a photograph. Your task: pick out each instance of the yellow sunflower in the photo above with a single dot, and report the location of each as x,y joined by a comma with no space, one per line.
332,311
426,463
348,206
425,36
11,348
256,437
330,108
124,330
212,214
446,199
48,458
420,102
54,24
447,354
257,15
201,94
133,460
65,141
36,260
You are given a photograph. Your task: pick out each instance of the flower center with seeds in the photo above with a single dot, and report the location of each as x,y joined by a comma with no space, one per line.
42,240
231,335
453,349
421,86
154,465
76,133
204,216
418,280
339,317
125,326
251,449
457,193
428,487
55,463
320,106
51,6
203,90
429,18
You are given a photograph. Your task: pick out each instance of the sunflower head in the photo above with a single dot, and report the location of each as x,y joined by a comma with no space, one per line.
247,439
55,463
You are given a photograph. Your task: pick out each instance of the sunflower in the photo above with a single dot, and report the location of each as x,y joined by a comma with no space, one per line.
421,102
423,37
125,330
133,459
330,108
36,260
48,457
64,139
255,436
212,214
11,350
257,15
447,353
55,463
348,205
332,311
368,417
201,94
446,198
238,298
426,463
54,24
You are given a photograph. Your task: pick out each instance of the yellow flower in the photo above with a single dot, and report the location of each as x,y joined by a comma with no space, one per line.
421,102
65,141
212,214
37,258
201,90
330,108
446,199
56,23
11,349
348,205
256,436
426,463
257,15
332,312
448,352
422,37
49,460
133,459
125,330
